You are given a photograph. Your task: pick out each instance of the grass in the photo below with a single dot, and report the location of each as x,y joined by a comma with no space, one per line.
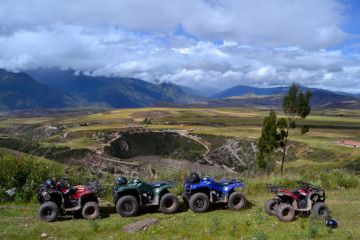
250,223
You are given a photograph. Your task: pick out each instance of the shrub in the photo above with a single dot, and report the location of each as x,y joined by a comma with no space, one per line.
25,174
255,187
285,182
337,179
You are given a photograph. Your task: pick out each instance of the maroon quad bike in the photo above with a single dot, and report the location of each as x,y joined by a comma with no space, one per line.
304,201
59,197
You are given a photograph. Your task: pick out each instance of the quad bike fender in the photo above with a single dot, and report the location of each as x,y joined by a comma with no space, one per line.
81,192
311,199
286,193
88,196
53,196
196,189
159,192
228,189
127,191
285,198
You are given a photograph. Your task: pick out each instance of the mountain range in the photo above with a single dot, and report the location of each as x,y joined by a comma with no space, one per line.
252,96
54,88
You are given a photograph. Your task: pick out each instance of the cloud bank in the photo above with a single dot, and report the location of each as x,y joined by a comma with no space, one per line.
198,43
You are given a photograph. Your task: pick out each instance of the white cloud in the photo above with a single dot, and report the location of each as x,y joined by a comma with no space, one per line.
200,43
263,73
305,23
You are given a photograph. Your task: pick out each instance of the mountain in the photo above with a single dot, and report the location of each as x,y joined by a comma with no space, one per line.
20,91
116,92
54,88
241,90
272,97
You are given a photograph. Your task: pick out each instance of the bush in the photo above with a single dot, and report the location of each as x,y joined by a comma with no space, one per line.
255,187
25,175
285,182
337,179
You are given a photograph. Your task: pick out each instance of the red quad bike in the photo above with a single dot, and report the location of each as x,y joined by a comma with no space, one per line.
304,201
61,198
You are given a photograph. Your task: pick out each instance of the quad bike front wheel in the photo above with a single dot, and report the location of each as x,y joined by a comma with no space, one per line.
236,201
285,212
169,203
199,202
90,210
270,207
49,211
127,206
320,211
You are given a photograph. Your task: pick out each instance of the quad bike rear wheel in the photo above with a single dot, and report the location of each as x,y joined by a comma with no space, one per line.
236,201
127,206
49,211
285,212
90,210
271,206
199,202
169,203
320,211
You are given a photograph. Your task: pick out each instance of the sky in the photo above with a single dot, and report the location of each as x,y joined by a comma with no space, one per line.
198,43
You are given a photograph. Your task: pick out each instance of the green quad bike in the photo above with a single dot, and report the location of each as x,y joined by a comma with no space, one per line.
129,197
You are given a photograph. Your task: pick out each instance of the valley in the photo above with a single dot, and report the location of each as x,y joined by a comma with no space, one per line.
167,143
223,137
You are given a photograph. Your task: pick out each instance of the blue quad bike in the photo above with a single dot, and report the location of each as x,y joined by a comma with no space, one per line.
200,193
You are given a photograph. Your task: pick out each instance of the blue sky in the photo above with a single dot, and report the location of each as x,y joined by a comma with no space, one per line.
197,43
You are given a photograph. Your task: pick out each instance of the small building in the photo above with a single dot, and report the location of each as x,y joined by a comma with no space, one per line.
348,143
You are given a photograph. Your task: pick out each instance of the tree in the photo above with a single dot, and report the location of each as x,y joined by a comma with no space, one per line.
268,142
296,106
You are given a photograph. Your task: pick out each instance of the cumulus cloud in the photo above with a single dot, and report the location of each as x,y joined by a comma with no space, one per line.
304,23
199,43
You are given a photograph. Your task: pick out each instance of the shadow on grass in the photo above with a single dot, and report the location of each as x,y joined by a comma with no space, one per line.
224,206
106,211
249,204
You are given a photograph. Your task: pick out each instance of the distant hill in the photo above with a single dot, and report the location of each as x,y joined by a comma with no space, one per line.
54,88
241,90
20,91
272,97
114,91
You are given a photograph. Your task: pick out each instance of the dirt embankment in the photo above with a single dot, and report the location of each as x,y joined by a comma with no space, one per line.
164,143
